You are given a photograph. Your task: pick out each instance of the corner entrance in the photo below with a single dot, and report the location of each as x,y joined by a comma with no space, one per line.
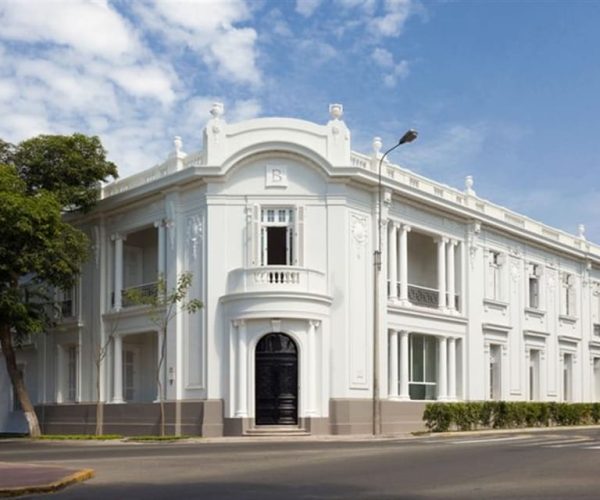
276,380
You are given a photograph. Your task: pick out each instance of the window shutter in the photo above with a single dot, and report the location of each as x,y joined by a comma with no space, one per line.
254,235
299,237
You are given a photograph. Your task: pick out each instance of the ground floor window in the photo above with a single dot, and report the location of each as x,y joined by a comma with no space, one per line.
597,379
495,369
72,364
423,367
534,375
567,377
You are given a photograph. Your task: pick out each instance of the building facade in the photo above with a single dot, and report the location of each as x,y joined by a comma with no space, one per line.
277,221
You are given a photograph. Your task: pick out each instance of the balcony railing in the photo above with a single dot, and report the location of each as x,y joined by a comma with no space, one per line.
277,278
426,297
596,329
145,290
423,296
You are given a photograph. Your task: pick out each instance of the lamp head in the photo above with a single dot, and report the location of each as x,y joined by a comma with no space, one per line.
409,136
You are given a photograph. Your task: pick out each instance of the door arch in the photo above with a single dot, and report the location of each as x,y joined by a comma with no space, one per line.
276,380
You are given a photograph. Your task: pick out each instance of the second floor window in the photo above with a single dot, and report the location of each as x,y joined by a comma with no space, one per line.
494,275
535,272
567,302
277,236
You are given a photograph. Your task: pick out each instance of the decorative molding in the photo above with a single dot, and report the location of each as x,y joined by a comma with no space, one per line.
275,325
194,234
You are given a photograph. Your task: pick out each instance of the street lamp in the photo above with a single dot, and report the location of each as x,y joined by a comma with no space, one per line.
409,136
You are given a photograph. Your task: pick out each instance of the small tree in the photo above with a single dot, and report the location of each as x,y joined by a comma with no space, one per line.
163,307
40,180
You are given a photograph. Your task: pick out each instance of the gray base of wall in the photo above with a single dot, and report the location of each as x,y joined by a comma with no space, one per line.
355,416
206,418
189,418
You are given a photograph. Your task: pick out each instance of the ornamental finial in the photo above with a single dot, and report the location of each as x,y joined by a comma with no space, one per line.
336,111
217,109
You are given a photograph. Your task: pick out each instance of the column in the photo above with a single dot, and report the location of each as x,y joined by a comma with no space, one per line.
161,248
393,379
118,369
441,271
393,260
404,374
451,275
313,380
442,370
404,230
118,288
242,370
452,368
161,374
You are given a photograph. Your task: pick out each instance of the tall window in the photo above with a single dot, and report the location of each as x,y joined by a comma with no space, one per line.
129,375
567,302
277,236
495,372
535,272
494,275
72,369
567,377
534,375
423,367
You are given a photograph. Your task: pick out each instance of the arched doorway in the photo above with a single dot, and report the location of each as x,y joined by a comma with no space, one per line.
276,380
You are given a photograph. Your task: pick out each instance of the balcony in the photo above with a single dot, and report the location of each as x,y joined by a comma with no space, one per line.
277,279
145,290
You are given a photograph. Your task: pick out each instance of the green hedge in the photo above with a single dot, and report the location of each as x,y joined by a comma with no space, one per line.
442,417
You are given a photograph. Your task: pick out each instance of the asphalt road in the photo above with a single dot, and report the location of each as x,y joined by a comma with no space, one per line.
553,464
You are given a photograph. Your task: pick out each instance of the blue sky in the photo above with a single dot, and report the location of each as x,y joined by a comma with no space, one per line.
506,91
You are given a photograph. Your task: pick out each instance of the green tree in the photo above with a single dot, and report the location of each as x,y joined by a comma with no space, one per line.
40,179
163,307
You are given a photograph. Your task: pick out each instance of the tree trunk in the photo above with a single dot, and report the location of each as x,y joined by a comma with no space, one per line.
16,379
159,381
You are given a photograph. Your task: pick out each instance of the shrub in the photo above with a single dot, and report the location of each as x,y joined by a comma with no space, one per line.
441,417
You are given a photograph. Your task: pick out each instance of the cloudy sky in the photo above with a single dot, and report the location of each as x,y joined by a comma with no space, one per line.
506,91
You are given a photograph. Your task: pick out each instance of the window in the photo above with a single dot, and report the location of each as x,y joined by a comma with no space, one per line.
495,393
567,377
277,237
534,375
597,379
535,272
567,300
494,275
72,369
423,367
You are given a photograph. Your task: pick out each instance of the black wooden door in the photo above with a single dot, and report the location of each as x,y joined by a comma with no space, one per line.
276,380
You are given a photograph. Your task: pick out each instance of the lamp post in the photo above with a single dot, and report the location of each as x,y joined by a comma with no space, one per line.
409,136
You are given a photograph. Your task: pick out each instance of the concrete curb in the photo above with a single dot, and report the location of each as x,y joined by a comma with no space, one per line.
76,477
489,432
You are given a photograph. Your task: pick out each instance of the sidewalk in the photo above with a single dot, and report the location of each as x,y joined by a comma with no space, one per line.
20,479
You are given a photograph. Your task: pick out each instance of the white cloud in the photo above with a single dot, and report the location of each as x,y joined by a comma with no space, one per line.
383,57
92,27
208,28
391,23
307,8
316,52
393,70
245,110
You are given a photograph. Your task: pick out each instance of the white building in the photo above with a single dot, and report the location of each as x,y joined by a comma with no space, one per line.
276,218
